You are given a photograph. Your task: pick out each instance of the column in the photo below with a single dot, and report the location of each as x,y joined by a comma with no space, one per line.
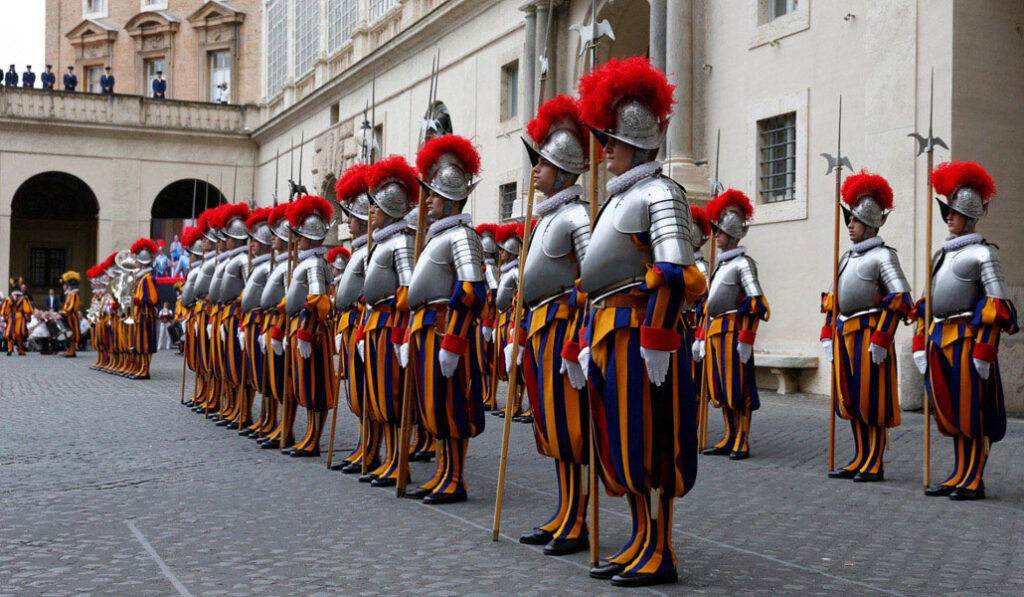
679,69
656,39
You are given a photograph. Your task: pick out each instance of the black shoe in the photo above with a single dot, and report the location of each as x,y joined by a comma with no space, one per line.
299,453
438,499
232,425
189,404
962,495
735,455
523,419
715,451
939,490
841,473
416,494
338,467
607,571
215,418
223,423
564,547
536,537
385,482
246,432
863,477
426,456
636,579
367,478
352,468
494,413
270,445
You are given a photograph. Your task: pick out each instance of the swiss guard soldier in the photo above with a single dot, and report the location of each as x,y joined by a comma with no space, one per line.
734,306
639,273
483,340
250,326
874,297
229,291
274,326
393,190
553,377
446,292
204,326
971,308
509,238
215,335
48,78
308,308
143,309
70,80
16,311
71,308
352,190
192,241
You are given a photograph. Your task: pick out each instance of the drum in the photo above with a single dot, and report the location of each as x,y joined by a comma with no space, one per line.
63,332
174,331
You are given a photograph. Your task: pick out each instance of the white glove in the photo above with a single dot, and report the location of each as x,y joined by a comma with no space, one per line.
698,350
305,348
263,343
826,349
223,331
449,361
337,342
277,346
878,354
657,362
745,351
508,358
584,359
403,354
241,339
180,323
575,373
488,333
921,360
984,368
209,331
360,348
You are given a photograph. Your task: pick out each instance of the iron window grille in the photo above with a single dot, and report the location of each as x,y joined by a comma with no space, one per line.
507,193
777,165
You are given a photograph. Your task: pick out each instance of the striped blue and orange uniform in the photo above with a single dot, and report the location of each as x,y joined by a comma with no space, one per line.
274,322
485,351
313,383
254,359
350,326
70,308
384,328
451,408
16,312
646,435
504,335
144,301
865,393
966,407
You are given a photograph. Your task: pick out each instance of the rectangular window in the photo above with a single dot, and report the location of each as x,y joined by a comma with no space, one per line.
92,7
777,151
92,78
341,22
219,73
781,8
507,193
277,46
151,66
46,266
307,35
510,90
379,8
154,4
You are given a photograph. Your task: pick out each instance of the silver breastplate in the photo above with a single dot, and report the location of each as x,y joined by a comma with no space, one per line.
205,277
702,266
389,268
232,281
352,280
312,276
963,276
866,278
218,275
731,282
491,274
507,289
451,255
254,286
188,292
276,286
560,243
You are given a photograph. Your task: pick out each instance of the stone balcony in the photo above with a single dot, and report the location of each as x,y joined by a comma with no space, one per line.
129,111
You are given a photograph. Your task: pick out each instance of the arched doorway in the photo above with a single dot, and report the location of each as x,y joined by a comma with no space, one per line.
177,204
53,229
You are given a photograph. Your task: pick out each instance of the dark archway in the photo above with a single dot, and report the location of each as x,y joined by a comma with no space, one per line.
53,229
173,207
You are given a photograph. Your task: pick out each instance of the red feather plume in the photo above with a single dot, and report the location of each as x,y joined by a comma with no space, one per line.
278,213
507,231
91,273
203,221
550,113
433,150
109,261
700,218
333,254
866,183
352,183
258,215
189,236
227,212
393,168
603,88
491,229
145,243
307,205
949,176
717,206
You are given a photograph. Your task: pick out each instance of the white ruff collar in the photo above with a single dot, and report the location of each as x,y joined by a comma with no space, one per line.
232,252
210,255
505,267
957,242
310,252
632,176
727,255
866,245
388,231
260,259
557,200
449,222
359,241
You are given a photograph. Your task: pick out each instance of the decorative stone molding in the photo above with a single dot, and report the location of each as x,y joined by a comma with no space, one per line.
153,32
93,41
217,26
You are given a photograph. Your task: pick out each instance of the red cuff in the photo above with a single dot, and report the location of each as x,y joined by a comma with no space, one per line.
746,336
136,301
277,333
487,323
700,333
985,352
881,339
398,335
659,339
360,334
918,344
571,352
305,335
826,333
405,338
455,344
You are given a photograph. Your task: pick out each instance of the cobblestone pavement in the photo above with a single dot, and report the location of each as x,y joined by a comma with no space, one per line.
108,486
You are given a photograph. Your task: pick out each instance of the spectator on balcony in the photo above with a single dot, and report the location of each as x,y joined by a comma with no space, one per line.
159,85
28,78
11,78
70,80
223,96
48,79
107,82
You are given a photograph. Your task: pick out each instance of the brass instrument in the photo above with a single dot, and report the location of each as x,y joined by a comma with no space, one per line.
123,286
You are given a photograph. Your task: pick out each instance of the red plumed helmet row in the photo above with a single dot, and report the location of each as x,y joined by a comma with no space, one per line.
601,90
353,181
462,148
258,215
308,205
700,218
550,114
491,229
189,236
730,198
336,252
393,168
950,176
144,244
865,183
